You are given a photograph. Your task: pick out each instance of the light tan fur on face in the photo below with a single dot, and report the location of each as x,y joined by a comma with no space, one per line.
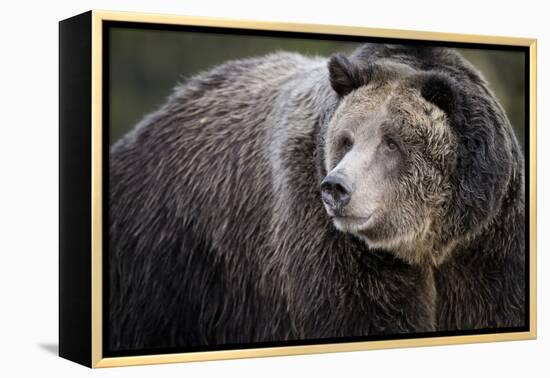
398,199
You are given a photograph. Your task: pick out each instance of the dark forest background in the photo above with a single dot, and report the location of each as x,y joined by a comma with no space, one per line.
145,65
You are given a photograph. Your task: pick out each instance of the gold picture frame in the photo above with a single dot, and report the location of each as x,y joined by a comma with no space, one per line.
93,356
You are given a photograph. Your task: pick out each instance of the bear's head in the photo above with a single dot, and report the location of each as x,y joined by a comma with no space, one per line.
418,154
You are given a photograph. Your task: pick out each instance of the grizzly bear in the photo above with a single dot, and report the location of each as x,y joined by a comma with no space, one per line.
288,197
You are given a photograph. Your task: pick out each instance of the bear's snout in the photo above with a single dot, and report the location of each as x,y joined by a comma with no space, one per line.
335,192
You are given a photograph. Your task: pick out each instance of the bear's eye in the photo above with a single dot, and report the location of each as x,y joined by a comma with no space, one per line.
346,143
391,144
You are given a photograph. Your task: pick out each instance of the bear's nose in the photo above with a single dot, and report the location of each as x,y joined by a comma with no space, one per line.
335,191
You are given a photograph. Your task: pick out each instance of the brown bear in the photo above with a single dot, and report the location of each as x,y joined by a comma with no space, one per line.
295,198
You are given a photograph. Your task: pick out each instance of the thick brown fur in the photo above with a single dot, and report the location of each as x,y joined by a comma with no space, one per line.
218,234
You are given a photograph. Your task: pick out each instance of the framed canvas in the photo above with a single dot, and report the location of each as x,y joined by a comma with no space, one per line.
235,189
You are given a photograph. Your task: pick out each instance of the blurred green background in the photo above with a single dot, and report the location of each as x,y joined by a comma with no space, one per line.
145,65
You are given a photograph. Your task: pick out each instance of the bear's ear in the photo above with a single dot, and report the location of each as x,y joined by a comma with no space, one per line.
440,91
344,75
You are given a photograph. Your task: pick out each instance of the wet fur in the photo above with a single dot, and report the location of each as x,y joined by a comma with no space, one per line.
218,235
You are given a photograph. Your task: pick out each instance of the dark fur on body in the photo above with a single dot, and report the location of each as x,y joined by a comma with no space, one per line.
218,235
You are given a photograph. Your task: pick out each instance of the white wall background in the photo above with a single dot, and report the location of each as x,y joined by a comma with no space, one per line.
28,186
